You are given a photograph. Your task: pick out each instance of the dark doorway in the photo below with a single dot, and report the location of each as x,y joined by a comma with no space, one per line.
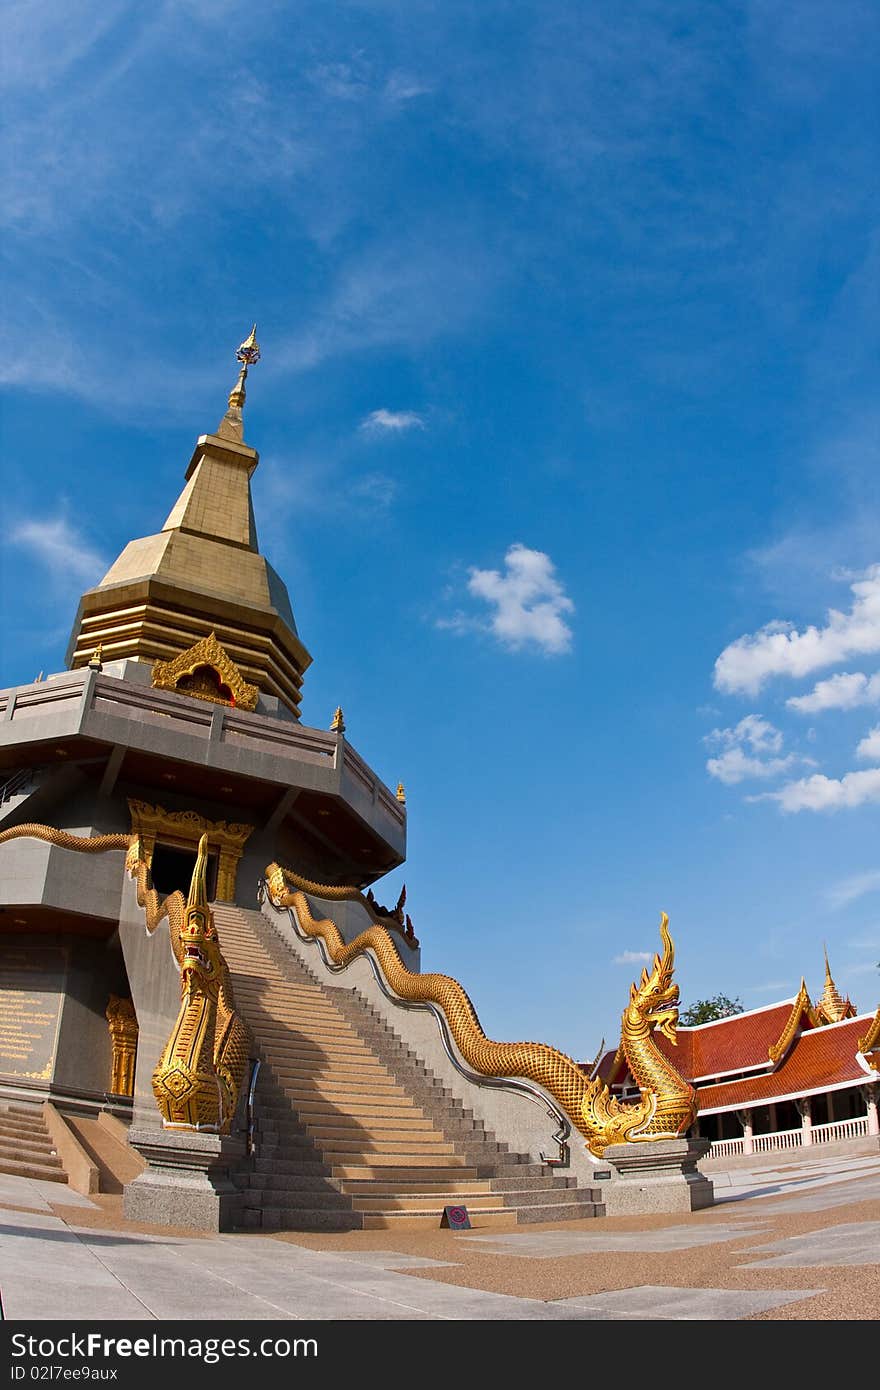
173,868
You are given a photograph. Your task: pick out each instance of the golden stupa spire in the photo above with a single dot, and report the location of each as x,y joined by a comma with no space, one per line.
248,354
830,1007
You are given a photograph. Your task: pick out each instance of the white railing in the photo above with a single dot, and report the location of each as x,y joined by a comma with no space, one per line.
792,1138
723,1148
840,1129
782,1139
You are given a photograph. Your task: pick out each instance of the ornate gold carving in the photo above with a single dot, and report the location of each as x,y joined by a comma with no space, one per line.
123,1024
189,675
95,663
199,1075
401,793
338,724
668,1105
801,1008
185,829
871,1039
96,844
553,1070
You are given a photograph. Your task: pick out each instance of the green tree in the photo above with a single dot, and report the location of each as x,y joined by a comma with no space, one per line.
707,1010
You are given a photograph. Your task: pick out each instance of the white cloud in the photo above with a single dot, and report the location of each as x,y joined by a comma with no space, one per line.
849,889
528,600
820,793
632,958
869,747
779,649
396,421
744,751
844,691
61,549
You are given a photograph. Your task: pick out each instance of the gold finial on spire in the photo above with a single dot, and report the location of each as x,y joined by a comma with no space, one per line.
95,660
248,353
401,793
338,725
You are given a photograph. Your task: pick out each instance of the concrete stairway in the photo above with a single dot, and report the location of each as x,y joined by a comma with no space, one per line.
25,1147
353,1132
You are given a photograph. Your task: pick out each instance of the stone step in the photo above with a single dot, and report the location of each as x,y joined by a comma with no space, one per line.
284,1182
321,1107
430,1220
362,1068
546,1196
291,1199
279,1023
386,1205
349,1151
308,1167
38,1148
29,1118
23,1129
294,1219
407,1167
350,1123
331,1085
356,1188
29,1168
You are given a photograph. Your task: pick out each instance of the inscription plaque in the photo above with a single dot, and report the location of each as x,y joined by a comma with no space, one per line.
32,985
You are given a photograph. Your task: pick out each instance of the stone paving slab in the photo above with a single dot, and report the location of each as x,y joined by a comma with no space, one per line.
770,1183
36,1193
656,1302
857,1243
549,1245
866,1189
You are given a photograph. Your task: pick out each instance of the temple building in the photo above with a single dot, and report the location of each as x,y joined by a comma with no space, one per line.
788,1075
146,792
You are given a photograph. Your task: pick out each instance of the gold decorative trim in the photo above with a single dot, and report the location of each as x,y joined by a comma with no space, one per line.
872,1038
123,1025
185,829
801,1008
167,675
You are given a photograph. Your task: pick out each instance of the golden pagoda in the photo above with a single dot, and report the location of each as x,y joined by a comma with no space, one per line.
202,574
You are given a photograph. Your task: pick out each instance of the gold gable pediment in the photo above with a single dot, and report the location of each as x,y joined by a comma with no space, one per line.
168,675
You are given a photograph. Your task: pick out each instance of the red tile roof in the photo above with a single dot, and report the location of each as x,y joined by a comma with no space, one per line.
818,1059
730,1044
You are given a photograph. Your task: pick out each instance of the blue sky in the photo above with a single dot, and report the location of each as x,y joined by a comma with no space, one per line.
568,422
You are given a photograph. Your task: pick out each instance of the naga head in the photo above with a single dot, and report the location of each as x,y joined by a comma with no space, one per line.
655,999
200,965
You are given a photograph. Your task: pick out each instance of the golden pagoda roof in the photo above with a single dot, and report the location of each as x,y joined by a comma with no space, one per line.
202,573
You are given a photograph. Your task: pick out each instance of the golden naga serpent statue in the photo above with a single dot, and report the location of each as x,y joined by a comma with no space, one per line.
668,1105
198,1078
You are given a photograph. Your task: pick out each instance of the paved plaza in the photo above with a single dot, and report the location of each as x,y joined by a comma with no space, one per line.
801,1241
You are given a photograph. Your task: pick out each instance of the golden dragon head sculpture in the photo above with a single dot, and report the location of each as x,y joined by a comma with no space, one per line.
201,964
654,1001
667,1106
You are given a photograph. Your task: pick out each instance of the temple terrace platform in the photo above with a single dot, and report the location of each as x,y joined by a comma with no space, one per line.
799,1241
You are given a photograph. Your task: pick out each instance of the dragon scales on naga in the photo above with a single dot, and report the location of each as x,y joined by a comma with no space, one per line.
667,1105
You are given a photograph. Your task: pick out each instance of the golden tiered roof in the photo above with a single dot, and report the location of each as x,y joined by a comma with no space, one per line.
830,1007
201,574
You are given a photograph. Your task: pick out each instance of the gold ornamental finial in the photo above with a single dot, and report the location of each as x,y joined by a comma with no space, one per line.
401,793
338,725
248,354
95,660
